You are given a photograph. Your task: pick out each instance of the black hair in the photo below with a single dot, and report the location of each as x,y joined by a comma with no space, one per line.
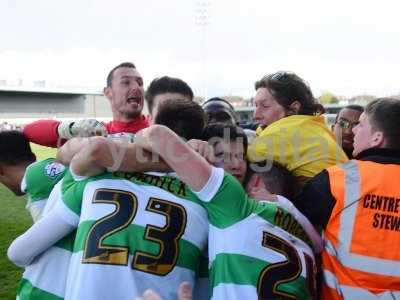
185,117
224,131
276,178
164,85
217,99
218,105
121,65
355,107
15,148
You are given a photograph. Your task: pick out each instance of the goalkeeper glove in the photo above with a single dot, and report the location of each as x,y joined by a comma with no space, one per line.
81,128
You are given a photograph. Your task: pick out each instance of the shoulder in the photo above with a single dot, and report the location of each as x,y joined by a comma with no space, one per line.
286,126
41,176
47,167
320,181
70,178
53,169
216,185
316,200
230,185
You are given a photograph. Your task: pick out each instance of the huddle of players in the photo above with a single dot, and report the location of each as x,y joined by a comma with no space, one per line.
110,231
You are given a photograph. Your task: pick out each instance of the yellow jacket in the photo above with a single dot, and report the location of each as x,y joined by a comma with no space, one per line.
303,144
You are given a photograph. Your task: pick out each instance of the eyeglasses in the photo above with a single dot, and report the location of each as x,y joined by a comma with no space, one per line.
346,124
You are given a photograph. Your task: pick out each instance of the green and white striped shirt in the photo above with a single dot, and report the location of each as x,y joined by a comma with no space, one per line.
45,279
135,231
263,254
39,179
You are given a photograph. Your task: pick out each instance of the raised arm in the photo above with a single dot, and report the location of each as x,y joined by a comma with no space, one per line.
70,149
93,156
53,133
43,132
190,166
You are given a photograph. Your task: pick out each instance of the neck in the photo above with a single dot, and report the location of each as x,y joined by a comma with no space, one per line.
124,118
349,152
14,177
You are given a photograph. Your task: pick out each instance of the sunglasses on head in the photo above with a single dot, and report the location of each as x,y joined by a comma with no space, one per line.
280,75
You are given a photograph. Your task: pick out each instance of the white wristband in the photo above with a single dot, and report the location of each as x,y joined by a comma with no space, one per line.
64,130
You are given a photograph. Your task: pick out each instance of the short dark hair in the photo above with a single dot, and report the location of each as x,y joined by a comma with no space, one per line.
287,87
185,117
217,99
276,178
121,65
220,105
166,84
15,148
355,107
384,115
223,130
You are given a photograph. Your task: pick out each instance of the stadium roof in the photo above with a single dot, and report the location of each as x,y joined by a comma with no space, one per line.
46,90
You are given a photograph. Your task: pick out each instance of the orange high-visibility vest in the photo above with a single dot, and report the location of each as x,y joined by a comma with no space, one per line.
361,257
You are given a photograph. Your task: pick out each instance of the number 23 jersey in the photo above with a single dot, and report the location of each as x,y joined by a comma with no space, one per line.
135,231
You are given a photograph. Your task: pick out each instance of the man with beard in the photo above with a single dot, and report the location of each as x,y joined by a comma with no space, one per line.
346,120
125,92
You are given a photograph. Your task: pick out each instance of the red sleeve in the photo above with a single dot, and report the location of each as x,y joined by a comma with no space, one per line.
43,132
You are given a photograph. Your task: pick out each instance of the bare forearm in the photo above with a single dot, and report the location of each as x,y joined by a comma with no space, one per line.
91,157
179,156
141,160
70,149
98,154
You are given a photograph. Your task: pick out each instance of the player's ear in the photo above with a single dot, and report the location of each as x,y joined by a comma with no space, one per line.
107,91
377,139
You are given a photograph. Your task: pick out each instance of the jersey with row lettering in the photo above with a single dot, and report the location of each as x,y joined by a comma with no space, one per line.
135,231
259,250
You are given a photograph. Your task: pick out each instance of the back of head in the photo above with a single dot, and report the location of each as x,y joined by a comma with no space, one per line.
287,87
219,110
384,115
277,179
164,85
225,131
121,65
186,118
15,149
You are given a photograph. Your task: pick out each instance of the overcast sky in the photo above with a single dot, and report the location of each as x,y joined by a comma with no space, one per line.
346,47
